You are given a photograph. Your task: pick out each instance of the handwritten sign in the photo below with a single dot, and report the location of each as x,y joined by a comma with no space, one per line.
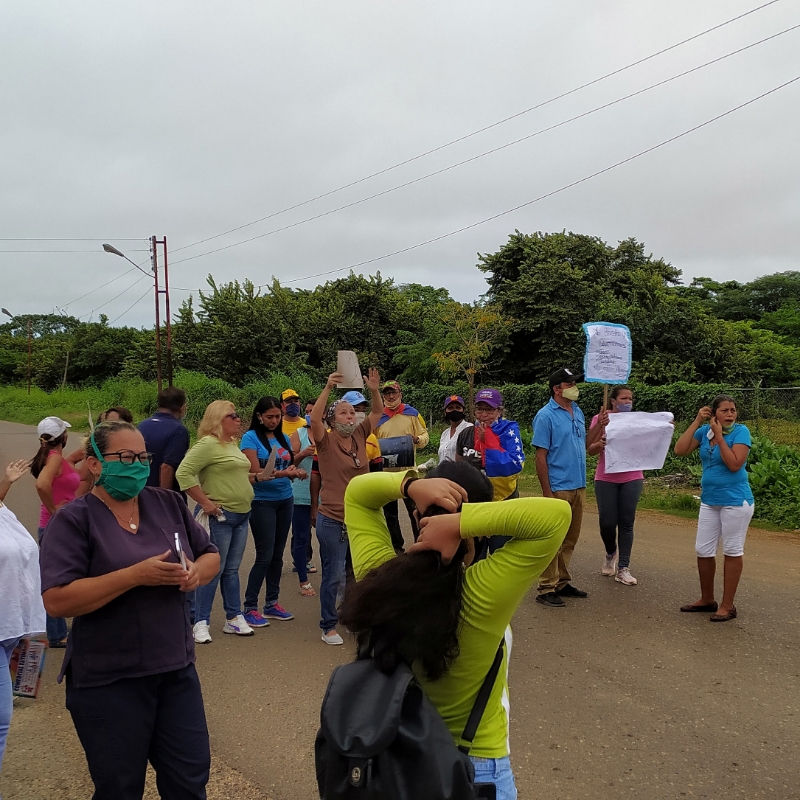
636,440
608,352
347,364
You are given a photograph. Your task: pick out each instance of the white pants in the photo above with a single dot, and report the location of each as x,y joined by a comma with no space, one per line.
726,523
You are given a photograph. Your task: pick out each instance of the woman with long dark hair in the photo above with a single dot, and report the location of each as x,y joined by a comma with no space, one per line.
122,561
271,511
617,495
433,608
726,501
57,483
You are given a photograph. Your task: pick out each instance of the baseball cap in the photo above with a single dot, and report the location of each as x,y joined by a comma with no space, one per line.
354,398
454,398
52,427
491,397
289,393
564,375
391,385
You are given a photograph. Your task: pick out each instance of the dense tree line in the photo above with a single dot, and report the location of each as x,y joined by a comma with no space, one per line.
541,288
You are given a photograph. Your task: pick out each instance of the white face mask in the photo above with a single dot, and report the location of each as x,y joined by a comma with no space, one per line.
360,416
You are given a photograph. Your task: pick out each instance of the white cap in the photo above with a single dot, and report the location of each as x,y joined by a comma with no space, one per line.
52,427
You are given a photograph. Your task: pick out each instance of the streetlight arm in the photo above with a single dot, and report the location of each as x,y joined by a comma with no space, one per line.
111,249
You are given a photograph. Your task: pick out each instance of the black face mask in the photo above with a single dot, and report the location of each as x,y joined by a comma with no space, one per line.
454,416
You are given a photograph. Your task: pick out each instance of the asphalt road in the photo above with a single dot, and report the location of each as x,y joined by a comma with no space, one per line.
617,695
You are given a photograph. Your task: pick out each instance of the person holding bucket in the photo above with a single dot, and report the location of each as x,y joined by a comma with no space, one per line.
400,431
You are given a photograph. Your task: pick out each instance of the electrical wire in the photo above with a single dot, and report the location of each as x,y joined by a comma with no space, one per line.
480,130
130,306
42,239
548,194
96,252
97,288
488,152
115,297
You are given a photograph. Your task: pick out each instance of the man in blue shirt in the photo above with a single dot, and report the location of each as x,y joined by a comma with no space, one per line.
166,437
560,439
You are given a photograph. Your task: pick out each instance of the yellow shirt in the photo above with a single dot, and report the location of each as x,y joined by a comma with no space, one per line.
290,426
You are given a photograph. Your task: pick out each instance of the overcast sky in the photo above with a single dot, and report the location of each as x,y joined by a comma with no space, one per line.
188,119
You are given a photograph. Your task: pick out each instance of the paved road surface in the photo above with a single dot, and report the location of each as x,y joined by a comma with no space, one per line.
616,696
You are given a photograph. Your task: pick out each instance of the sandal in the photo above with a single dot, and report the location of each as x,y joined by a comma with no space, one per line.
307,590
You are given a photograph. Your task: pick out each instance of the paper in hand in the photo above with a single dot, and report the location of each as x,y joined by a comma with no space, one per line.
636,440
347,364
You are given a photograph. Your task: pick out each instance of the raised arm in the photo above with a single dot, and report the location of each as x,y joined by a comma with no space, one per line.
318,412
14,471
373,382
686,443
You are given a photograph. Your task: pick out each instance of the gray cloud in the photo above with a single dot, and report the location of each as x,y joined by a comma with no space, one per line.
188,119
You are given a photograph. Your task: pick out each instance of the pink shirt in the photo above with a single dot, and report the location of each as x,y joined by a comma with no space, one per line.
614,477
65,485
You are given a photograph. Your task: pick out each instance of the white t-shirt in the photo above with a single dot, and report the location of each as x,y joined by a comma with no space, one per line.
21,607
447,444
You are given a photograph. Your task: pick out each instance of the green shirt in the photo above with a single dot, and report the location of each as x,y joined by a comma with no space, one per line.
493,588
221,470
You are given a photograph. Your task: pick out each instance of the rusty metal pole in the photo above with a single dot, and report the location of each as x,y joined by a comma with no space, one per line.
154,260
30,343
168,314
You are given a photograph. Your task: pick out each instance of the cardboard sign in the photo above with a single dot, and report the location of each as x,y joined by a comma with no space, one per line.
347,364
26,665
608,352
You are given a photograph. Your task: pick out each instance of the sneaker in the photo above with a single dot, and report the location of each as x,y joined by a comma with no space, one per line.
278,612
255,620
551,600
331,637
238,626
310,568
570,591
609,565
201,634
624,576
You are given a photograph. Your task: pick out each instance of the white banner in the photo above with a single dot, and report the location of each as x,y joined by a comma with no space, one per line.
636,440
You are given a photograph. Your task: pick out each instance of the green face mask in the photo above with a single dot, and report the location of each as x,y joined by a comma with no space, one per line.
121,481
572,393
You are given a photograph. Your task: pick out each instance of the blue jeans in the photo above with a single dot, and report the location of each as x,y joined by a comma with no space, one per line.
497,771
333,547
230,537
269,523
56,627
6,698
301,539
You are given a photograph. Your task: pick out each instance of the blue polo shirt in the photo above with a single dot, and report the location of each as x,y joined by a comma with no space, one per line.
167,439
563,435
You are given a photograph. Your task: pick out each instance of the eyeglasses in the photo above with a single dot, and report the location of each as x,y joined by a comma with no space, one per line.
129,457
234,415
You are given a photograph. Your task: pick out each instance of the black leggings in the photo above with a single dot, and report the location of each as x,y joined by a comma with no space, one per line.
617,503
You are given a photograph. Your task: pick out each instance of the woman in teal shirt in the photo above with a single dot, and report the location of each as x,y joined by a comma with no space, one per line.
726,501
427,610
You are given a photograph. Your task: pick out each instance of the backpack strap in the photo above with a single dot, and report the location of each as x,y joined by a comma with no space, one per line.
481,700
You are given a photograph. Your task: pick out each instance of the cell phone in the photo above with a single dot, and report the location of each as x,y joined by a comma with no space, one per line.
179,551
486,791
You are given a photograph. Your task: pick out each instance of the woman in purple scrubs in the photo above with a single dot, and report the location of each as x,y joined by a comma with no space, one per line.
121,560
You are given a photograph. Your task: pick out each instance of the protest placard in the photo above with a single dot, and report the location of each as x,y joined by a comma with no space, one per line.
608,352
636,440
347,364
26,665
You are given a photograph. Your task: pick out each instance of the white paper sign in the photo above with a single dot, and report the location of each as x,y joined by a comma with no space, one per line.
347,364
608,353
636,440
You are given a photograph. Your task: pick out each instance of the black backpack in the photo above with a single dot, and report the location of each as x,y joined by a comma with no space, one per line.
381,738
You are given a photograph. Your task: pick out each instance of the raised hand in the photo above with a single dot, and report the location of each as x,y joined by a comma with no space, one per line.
441,533
373,380
16,469
436,492
334,379
703,415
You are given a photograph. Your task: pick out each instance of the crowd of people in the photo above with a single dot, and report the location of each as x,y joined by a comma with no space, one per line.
124,556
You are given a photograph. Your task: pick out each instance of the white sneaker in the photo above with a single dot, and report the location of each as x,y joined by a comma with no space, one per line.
331,637
201,634
624,576
237,625
610,565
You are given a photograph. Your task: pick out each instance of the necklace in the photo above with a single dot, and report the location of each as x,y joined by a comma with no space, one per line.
130,523
352,451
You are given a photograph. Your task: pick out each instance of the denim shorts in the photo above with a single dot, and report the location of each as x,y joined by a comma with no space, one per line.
497,771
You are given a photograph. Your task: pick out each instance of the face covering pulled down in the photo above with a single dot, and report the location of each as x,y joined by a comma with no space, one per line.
121,481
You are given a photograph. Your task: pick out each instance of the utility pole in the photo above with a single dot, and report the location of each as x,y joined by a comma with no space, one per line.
154,243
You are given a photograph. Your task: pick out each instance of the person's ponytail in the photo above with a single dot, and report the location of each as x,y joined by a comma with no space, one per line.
46,444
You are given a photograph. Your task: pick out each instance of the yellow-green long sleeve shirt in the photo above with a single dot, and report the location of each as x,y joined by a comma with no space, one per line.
221,470
493,589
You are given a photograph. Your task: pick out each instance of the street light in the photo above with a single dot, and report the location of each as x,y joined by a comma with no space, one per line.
30,341
165,291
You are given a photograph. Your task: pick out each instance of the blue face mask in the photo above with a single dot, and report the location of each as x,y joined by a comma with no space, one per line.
308,418
293,410
624,407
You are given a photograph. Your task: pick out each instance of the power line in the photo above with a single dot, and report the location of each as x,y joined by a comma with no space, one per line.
478,131
146,291
549,194
115,297
487,152
42,239
65,251
97,288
